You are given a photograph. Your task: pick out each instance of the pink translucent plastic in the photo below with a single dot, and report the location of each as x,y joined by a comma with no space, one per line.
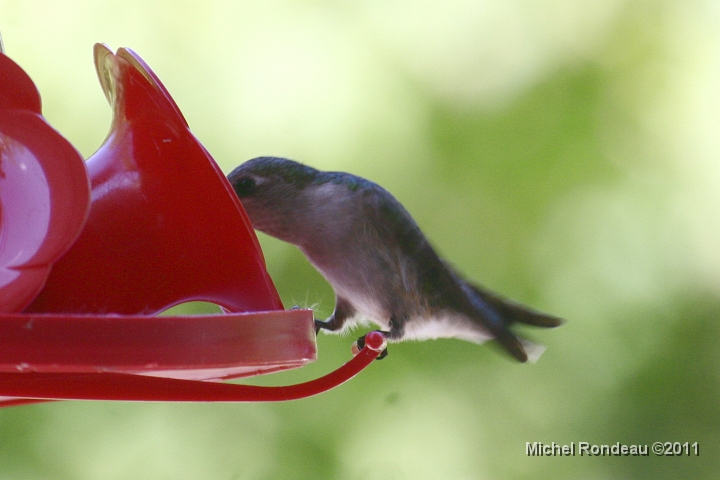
152,222
44,191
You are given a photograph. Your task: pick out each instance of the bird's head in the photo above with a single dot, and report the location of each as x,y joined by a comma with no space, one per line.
273,192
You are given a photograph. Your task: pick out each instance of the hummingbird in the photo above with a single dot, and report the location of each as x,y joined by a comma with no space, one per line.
375,257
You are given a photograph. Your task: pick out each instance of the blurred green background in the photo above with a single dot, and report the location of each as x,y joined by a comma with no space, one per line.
565,153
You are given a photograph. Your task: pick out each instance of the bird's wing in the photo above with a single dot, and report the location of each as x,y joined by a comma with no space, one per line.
393,225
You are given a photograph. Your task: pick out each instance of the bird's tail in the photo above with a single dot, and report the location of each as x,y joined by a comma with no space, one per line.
500,313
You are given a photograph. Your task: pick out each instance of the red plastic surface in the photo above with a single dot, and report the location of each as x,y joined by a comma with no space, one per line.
44,191
33,387
204,347
164,226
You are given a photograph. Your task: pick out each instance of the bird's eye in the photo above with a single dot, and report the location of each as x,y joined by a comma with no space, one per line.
244,186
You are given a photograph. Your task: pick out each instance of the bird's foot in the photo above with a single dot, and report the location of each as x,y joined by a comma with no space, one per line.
360,344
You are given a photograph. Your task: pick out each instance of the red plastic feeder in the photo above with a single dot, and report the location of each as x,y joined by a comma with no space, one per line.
89,253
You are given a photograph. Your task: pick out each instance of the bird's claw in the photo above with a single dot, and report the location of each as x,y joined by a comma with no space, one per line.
319,325
360,343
